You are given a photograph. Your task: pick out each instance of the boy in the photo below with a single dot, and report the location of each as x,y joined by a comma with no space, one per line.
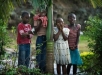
24,40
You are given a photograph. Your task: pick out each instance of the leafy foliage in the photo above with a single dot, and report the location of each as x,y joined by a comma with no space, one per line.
5,7
10,67
40,4
94,32
4,38
89,63
96,3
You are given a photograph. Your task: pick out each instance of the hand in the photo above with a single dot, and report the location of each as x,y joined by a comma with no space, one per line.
58,26
28,36
61,26
29,32
73,47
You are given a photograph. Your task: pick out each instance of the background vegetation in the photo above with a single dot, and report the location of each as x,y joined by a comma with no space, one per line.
93,35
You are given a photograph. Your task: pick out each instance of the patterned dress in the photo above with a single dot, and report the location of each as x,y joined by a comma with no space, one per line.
61,48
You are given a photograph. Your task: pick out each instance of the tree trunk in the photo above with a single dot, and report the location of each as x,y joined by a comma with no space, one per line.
49,34
50,58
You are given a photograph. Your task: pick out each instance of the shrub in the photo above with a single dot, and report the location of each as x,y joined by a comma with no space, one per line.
94,32
87,60
4,38
89,65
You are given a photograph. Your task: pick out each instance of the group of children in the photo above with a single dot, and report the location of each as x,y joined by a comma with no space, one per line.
25,33
66,40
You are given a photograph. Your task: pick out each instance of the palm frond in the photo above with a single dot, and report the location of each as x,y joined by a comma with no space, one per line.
96,3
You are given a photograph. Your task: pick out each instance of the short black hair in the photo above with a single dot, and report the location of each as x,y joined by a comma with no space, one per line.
58,19
71,14
24,13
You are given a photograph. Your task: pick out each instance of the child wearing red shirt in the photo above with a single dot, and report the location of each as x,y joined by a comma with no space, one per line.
41,16
23,40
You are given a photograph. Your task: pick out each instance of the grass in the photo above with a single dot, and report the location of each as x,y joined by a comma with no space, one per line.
13,44
83,44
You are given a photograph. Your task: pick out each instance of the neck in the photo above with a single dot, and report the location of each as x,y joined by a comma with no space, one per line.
72,25
24,22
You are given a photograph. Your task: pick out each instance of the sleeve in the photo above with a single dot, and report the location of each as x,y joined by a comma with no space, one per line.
66,31
20,29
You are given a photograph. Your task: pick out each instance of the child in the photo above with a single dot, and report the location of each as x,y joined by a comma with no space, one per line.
40,44
42,17
61,48
24,40
73,40
36,17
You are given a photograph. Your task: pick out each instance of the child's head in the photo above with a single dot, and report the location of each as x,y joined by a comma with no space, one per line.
59,21
72,18
25,17
43,13
37,11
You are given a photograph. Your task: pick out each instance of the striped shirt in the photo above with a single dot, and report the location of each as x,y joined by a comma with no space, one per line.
72,38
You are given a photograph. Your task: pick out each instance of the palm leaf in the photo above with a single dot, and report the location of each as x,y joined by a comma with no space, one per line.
96,3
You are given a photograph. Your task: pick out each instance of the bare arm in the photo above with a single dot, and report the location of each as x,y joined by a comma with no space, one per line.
23,35
55,36
63,34
78,35
37,28
64,37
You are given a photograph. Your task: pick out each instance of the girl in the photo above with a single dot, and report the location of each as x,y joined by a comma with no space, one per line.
73,40
61,48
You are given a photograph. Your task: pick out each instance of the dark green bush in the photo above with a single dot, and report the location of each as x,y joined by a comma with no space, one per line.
22,70
94,32
88,62
4,37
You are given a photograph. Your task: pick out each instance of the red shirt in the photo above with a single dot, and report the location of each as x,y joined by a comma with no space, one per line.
23,28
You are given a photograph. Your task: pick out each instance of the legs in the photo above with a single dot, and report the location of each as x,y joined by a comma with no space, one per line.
21,55
41,57
24,55
74,69
64,70
42,60
27,56
68,69
58,69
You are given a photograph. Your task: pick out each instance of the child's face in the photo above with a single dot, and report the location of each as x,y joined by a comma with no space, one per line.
60,22
72,19
25,18
43,14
